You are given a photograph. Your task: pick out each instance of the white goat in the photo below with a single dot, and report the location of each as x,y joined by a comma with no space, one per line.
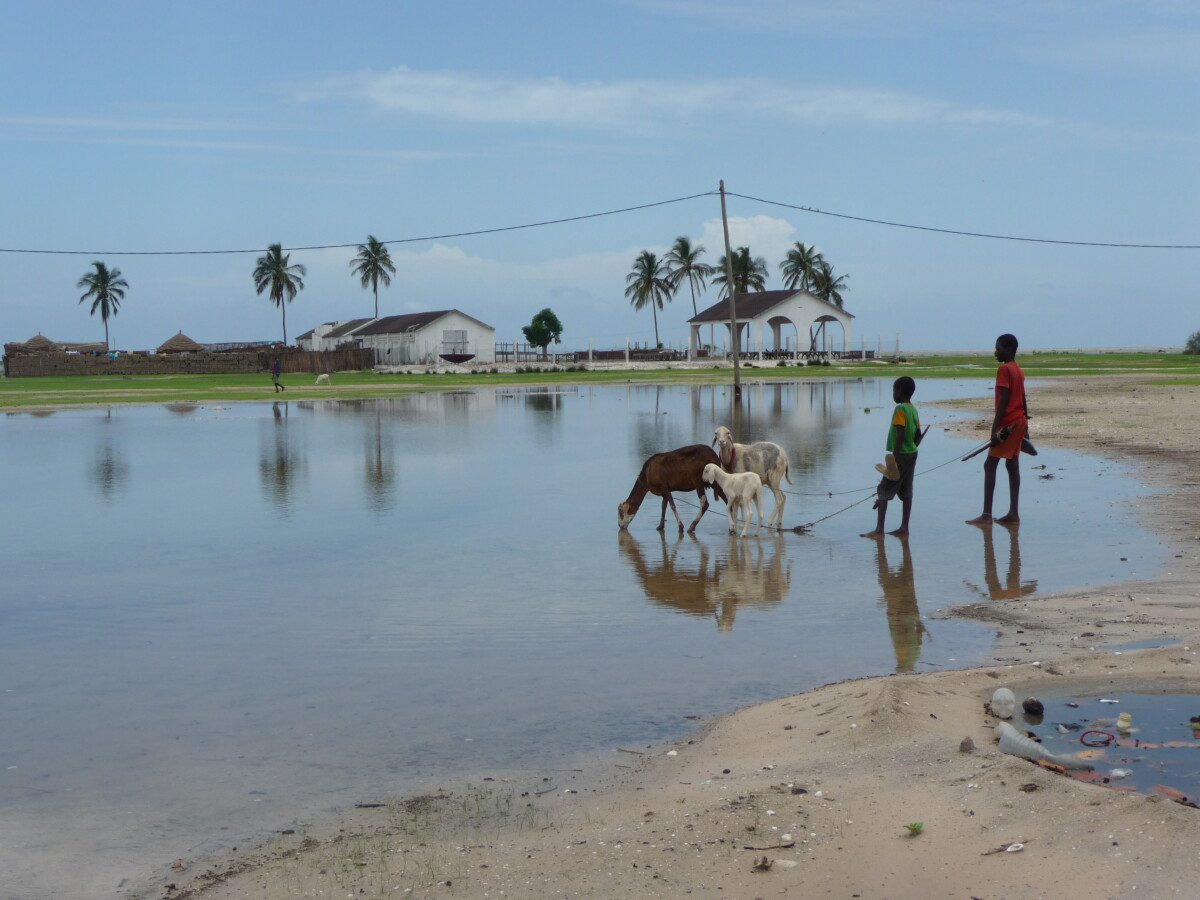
323,378
740,491
768,461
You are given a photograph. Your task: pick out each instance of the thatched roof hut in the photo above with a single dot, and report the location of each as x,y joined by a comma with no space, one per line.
39,343
180,343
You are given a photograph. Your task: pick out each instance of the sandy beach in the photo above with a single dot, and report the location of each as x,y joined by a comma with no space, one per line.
822,784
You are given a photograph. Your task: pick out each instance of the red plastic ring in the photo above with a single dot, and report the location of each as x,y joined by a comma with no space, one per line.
1107,739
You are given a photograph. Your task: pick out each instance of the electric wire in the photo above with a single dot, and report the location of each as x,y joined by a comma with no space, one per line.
963,233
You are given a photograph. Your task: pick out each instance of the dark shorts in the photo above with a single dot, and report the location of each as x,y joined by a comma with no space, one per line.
903,487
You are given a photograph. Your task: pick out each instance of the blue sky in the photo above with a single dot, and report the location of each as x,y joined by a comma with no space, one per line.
216,125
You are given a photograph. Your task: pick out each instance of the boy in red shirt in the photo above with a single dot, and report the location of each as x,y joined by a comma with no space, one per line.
1009,427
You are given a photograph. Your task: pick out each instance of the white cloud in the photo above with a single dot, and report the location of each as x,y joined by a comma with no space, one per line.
766,236
516,100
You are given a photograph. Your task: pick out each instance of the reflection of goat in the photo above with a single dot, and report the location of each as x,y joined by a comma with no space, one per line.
662,473
714,585
741,490
768,461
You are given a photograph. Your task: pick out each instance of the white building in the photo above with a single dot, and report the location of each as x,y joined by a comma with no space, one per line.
795,321
330,335
423,338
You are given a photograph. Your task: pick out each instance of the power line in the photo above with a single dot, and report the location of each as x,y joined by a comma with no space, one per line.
977,234
407,240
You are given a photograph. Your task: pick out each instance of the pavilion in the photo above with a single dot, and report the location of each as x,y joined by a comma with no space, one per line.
796,321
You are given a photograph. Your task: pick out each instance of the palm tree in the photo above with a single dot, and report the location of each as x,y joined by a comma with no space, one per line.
828,286
649,282
683,264
273,273
106,289
800,266
749,273
372,265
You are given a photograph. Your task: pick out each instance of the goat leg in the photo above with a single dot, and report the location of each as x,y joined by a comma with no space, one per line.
703,510
671,500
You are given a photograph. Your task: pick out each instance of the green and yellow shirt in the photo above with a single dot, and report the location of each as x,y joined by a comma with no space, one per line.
904,417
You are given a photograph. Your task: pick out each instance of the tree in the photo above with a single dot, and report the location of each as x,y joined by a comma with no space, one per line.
828,286
649,283
683,264
543,330
373,265
1193,344
106,289
282,281
800,266
749,273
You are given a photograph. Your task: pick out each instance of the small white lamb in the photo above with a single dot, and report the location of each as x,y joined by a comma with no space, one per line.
323,378
741,490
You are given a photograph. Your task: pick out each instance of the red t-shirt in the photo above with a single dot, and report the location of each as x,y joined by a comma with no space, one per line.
1010,376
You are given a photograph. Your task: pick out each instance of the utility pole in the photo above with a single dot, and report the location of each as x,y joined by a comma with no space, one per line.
735,338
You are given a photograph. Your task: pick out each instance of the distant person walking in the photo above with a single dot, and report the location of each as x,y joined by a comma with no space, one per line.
1010,425
275,376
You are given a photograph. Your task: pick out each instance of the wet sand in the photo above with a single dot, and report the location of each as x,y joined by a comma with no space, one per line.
840,769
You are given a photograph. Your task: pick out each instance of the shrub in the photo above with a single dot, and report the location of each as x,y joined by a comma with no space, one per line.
1193,344
781,364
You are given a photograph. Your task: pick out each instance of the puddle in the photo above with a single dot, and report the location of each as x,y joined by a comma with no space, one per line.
219,619
1160,754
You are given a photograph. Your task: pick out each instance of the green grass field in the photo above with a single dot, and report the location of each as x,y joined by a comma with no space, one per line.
69,391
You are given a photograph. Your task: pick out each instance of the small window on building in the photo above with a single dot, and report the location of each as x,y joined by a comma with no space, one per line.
454,341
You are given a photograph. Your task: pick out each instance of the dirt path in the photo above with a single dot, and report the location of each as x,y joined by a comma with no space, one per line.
842,769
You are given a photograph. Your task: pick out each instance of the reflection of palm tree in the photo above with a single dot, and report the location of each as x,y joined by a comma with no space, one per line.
277,464
714,587
1013,588
110,470
379,467
900,597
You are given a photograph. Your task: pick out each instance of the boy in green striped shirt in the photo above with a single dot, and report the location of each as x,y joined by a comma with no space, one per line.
904,436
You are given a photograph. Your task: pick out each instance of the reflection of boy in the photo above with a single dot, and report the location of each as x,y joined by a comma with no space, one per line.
904,436
1010,425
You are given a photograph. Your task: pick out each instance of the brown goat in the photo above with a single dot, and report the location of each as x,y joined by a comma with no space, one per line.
677,470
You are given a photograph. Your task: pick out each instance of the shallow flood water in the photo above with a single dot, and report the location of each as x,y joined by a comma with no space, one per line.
216,620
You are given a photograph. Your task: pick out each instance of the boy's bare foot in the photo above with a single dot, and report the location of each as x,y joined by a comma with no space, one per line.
899,532
872,534
980,520
1009,519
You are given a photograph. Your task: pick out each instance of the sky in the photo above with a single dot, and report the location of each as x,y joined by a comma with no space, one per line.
151,126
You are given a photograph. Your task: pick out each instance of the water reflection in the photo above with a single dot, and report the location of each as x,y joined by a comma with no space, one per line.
109,470
279,462
379,463
899,588
750,572
1012,588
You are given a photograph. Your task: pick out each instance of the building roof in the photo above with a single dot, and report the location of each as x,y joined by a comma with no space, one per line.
179,343
411,322
306,335
754,304
40,342
346,327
